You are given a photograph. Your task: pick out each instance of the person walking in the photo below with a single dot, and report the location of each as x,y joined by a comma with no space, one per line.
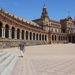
22,48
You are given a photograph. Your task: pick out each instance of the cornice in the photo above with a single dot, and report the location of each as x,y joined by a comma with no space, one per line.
11,19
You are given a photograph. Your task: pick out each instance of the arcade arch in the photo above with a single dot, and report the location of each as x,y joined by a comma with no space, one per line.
7,31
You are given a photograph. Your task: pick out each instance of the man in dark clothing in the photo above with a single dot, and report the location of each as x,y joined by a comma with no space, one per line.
22,48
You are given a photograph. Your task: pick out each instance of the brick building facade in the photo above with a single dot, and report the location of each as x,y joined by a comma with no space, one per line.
14,29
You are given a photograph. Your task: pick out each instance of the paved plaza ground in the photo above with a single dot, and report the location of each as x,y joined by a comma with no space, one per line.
57,59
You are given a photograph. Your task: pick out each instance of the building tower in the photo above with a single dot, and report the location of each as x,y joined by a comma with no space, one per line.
45,19
44,13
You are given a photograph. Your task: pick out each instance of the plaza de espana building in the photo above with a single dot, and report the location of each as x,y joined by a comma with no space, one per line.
14,29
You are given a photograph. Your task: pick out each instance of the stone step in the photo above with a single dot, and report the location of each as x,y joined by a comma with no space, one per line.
4,64
4,57
2,53
10,67
1,50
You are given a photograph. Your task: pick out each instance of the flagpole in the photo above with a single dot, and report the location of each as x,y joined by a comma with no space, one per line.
69,13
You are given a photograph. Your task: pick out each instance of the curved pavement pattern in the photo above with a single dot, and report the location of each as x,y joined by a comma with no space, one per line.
58,59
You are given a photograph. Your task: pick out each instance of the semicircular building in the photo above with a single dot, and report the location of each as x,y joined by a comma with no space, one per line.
14,29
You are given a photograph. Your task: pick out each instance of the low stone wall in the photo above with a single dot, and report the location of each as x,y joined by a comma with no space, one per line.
35,43
7,44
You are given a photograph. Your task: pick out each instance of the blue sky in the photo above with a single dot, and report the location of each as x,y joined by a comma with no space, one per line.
32,9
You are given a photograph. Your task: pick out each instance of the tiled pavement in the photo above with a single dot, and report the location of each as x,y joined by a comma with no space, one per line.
45,60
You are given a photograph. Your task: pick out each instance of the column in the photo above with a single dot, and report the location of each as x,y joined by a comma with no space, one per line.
35,36
56,38
15,34
20,34
32,35
10,33
3,32
24,35
63,38
44,37
28,35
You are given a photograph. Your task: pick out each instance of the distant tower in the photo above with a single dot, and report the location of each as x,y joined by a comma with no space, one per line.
44,13
45,19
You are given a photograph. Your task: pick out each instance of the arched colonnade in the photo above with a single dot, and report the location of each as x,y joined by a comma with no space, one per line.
59,38
8,31
71,39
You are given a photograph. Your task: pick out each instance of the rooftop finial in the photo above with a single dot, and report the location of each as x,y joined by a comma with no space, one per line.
44,6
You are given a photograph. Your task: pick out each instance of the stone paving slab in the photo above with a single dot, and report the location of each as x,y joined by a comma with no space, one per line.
45,60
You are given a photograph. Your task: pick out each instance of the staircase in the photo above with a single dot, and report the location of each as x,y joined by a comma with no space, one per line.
7,62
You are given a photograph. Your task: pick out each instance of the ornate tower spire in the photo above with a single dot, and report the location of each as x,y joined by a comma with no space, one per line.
44,13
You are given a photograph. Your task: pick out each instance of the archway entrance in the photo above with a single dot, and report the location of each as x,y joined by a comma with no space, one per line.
26,35
69,39
7,31
13,31
33,36
22,34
